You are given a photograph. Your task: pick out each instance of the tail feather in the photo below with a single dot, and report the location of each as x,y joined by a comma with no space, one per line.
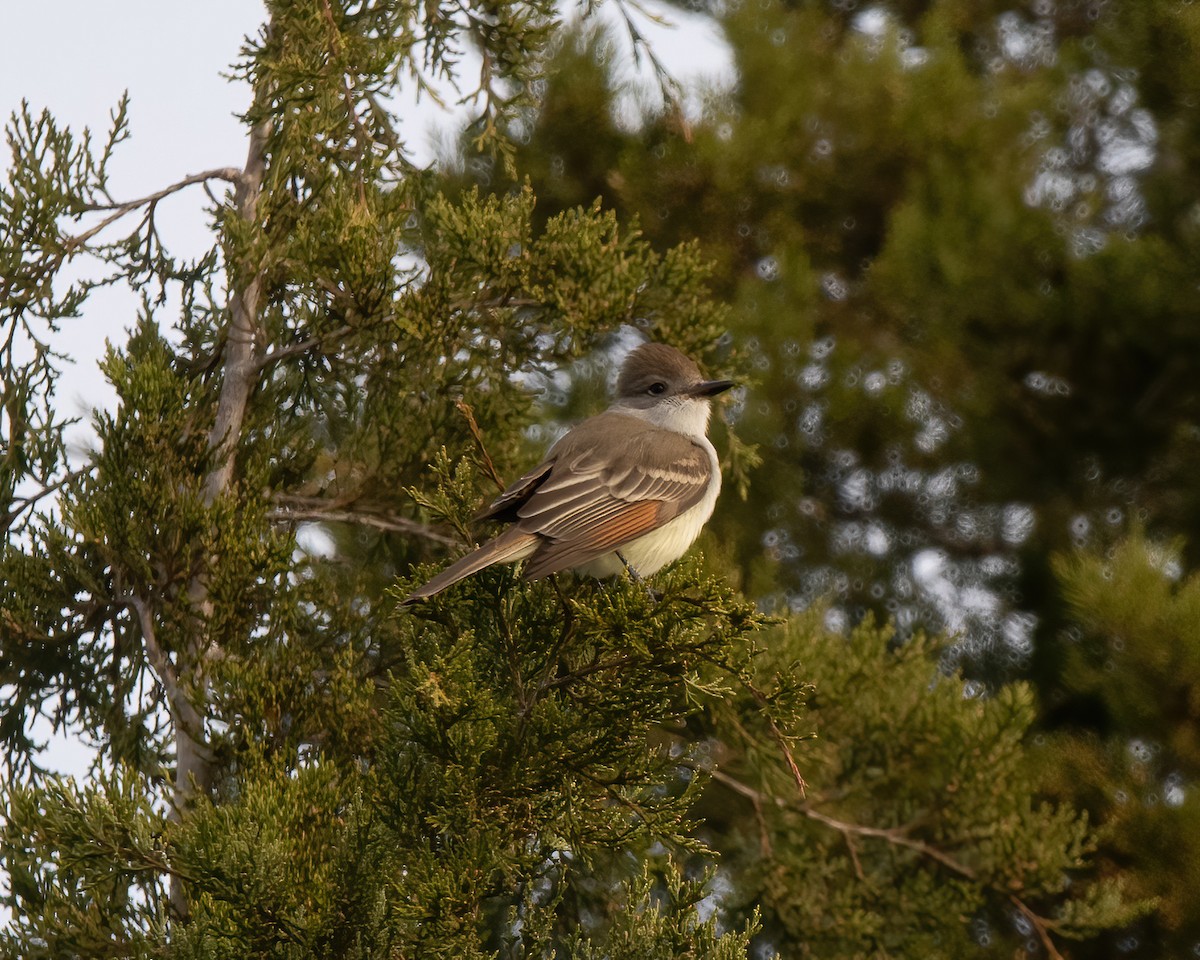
510,546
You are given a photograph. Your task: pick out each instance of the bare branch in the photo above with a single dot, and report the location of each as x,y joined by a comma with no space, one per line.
897,836
317,510
21,504
187,718
230,174
241,365
303,347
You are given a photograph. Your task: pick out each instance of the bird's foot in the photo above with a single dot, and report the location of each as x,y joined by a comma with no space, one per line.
637,577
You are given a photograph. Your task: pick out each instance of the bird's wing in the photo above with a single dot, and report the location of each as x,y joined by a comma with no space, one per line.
505,506
589,503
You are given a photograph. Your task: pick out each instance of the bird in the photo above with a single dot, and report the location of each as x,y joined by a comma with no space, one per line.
626,490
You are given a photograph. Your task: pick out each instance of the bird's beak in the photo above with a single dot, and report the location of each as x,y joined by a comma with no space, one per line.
710,388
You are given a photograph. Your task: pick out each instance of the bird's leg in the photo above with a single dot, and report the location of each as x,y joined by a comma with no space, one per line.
635,576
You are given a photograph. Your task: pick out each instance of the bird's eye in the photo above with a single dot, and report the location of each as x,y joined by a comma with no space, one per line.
656,388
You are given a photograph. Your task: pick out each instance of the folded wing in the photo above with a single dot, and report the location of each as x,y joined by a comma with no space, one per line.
583,504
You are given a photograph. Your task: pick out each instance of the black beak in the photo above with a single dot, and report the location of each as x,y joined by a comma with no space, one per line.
710,388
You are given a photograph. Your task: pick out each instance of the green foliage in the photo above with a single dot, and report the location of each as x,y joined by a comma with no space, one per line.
643,930
1128,703
515,757
920,834
52,175
87,864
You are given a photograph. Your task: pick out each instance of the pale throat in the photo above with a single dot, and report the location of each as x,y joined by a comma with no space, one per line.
686,415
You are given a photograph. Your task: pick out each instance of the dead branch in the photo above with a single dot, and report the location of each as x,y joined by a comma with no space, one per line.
229,174
489,467
316,510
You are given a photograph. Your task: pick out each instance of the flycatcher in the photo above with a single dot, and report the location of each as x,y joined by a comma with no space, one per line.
629,488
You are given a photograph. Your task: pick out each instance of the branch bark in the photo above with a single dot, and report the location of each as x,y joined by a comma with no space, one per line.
231,174
315,510
194,764
241,362
193,759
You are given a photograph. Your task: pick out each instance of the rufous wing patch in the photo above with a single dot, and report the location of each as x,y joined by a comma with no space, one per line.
635,520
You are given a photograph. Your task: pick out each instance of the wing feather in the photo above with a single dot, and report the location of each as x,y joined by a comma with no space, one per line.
583,492
583,504
505,506
628,524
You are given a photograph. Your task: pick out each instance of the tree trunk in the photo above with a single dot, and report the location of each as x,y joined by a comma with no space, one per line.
194,762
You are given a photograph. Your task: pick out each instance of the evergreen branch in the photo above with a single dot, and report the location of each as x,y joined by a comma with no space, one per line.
20,504
596,666
647,817
362,134
566,631
229,174
293,509
897,836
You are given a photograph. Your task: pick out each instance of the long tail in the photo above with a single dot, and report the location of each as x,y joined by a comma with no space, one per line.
510,546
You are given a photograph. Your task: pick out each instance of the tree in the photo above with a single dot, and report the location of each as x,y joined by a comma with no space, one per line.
287,765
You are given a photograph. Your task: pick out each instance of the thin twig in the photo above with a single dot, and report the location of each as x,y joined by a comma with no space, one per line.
21,504
1040,924
229,174
303,347
897,836
596,666
761,699
315,510
469,415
